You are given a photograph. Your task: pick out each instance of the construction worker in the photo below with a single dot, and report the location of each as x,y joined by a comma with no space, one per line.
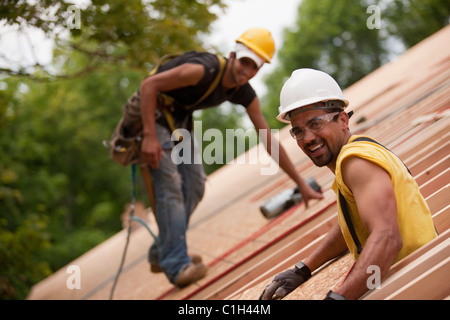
382,217
169,97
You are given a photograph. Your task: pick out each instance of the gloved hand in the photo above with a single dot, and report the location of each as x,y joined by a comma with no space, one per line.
286,282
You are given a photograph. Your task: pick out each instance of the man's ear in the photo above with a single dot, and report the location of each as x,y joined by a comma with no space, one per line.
344,119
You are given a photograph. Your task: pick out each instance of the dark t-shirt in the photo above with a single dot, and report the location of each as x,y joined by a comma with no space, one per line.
189,95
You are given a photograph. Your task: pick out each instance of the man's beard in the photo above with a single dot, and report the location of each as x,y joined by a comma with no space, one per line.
322,160
234,76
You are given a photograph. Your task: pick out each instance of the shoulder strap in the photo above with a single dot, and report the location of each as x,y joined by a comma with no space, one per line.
376,142
344,205
161,61
168,116
348,221
212,87
214,84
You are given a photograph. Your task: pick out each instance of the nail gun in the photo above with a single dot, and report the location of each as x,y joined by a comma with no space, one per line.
285,200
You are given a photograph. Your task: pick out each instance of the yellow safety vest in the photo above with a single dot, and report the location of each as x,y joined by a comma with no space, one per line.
414,217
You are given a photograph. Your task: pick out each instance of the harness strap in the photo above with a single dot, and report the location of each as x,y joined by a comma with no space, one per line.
344,205
161,61
376,142
348,221
169,100
214,84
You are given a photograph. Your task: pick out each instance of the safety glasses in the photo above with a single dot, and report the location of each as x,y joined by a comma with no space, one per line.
313,125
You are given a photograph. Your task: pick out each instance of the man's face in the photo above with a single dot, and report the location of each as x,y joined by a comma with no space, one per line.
322,146
243,70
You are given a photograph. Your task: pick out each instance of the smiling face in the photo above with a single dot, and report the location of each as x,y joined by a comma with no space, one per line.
322,146
242,70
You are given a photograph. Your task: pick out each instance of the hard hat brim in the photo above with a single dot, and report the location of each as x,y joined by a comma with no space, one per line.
255,49
284,116
242,51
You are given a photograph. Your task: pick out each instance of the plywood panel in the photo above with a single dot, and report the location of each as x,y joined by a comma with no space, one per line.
411,267
432,284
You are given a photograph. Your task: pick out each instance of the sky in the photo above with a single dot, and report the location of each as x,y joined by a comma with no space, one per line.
244,14
239,16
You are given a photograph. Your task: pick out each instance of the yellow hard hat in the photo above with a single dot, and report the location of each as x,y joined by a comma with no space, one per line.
260,41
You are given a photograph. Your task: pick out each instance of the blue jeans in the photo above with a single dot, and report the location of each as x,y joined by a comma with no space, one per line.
178,189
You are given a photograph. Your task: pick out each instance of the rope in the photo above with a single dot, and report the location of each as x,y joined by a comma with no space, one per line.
132,218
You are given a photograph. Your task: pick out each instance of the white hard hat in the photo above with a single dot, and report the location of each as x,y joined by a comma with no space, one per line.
306,87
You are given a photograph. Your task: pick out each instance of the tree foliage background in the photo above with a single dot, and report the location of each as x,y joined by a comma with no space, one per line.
333,36
60,194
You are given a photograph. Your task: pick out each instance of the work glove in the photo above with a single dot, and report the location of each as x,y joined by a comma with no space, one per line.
286,282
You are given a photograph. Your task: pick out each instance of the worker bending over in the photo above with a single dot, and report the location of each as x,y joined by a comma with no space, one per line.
167,99
382,216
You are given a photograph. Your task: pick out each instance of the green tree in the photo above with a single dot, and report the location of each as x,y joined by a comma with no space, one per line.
412,21
135,33
223,118
331,36
334,36
56,171
60,194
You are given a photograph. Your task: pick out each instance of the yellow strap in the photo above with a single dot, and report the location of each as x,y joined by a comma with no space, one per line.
171,123
161,61
214,84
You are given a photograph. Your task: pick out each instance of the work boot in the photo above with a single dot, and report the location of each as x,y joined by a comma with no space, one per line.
155,268
191,273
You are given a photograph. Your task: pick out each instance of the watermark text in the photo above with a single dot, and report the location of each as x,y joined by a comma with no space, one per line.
74,19
74,280
374,20
374,280
224,148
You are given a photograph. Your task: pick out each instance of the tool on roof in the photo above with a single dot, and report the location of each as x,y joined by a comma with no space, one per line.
285,200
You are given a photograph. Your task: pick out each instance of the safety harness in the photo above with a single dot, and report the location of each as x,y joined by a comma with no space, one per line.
125,142
344,205
166,100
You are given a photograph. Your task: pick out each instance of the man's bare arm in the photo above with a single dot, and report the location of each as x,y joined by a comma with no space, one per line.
374,194
182,76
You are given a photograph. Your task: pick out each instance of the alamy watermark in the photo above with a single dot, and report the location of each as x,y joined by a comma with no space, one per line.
74,280
374,20
374,280
221,147
74,19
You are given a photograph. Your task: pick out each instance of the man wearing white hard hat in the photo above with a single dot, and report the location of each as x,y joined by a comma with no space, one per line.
382,217
165,103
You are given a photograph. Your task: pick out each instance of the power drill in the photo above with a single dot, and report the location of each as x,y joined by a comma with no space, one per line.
278,204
